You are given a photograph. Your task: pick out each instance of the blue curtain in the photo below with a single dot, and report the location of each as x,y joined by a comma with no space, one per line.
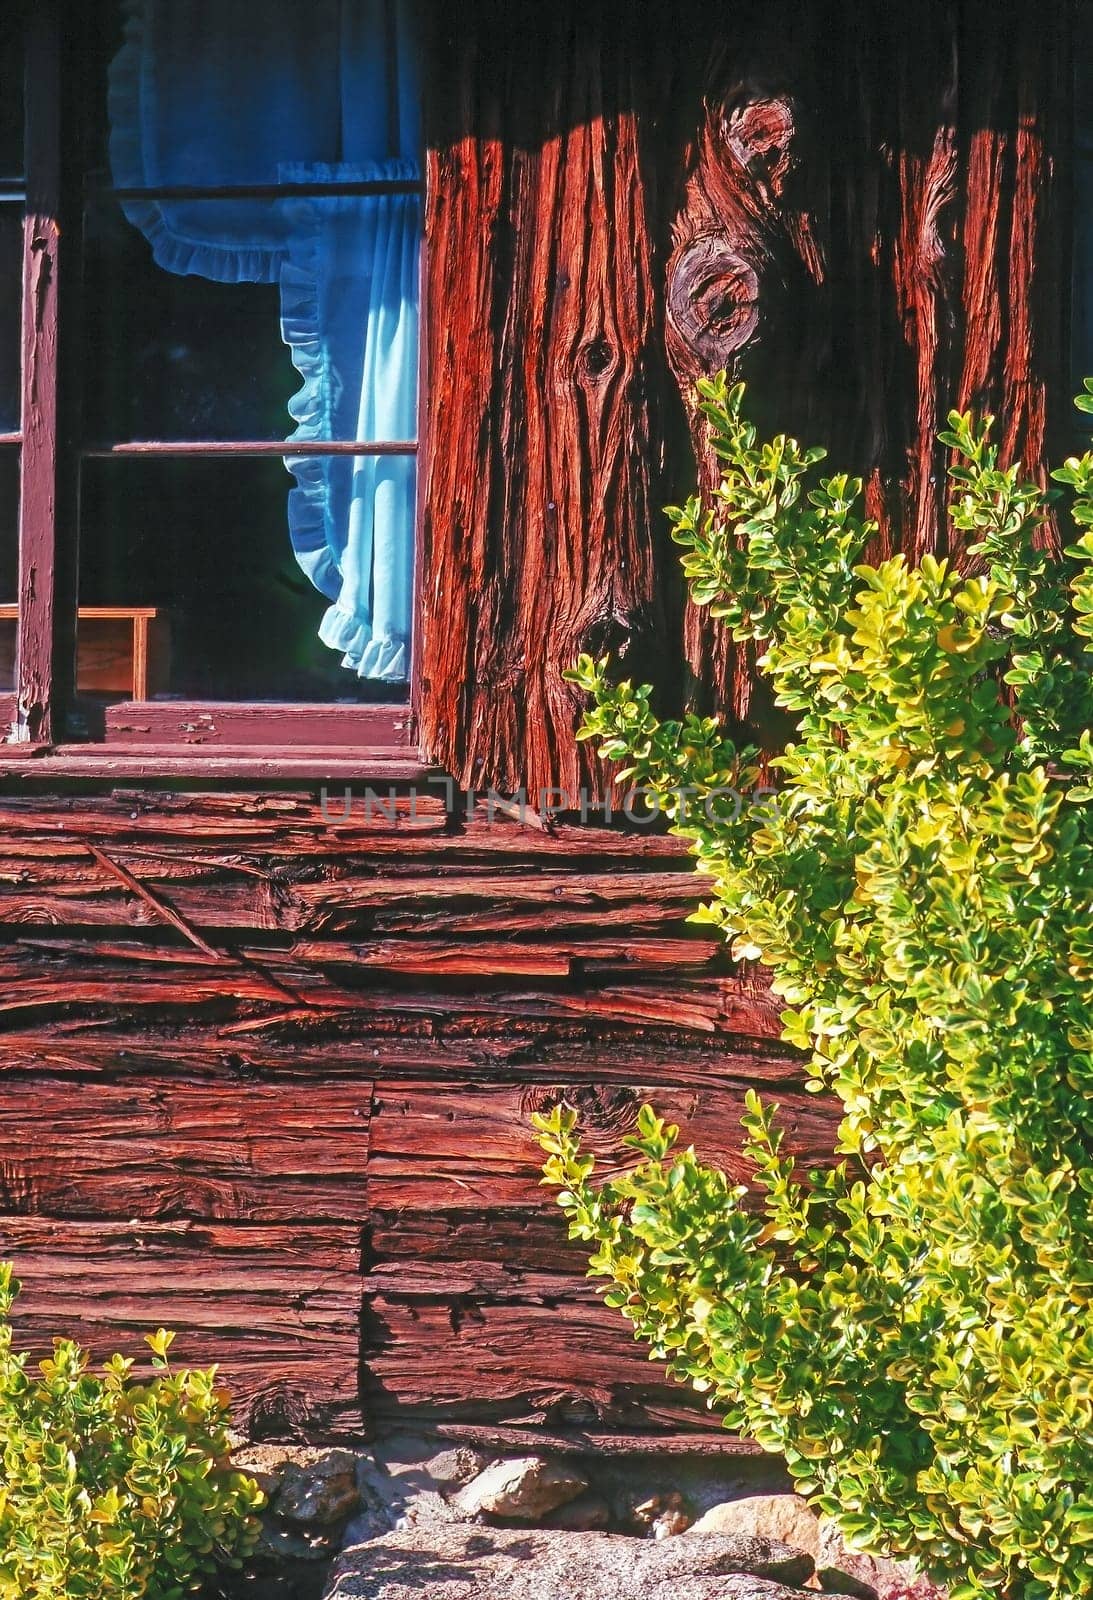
226,92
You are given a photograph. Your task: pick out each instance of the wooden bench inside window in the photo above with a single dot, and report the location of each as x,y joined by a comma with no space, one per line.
120,650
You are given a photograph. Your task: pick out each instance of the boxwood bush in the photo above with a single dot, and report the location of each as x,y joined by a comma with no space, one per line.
911,1326
111,1489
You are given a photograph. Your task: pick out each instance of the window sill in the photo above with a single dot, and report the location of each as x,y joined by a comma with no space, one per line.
171,740
249,763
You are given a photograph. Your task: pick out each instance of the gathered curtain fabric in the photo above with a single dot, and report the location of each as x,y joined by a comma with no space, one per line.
224,93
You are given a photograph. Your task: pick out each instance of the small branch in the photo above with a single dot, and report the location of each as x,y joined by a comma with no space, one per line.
159,906
177,921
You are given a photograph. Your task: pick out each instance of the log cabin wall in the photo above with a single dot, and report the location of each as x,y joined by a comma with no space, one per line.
306,1144
266,1067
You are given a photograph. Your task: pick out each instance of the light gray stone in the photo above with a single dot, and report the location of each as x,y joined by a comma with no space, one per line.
524,1490
451,1469
787,1517
843,1571
465,1563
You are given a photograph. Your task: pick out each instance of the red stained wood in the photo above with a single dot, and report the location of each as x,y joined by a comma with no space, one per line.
313,1036
277,1307
499,1440
368,729
142,1077
158,1148
469,1341
542,489
860,218
41,653
233,764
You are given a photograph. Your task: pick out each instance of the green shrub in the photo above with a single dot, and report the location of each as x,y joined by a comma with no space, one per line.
110,1489
912,1327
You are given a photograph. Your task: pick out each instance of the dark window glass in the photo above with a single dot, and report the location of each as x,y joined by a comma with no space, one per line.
9,560
205,540
1083,223
11,93
11,294
172,356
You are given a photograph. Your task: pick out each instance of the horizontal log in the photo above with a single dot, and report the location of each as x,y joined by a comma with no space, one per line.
499,1440
245,819
543,898
277,1308
450,1146
492,958
272,991
457,906
197,1052
373,819
562,1359
158,1148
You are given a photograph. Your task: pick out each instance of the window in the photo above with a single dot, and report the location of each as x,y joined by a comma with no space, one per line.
1082,327
213,406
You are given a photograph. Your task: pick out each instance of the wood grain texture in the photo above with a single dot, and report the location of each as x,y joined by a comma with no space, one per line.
338,1033
863,219
277,1308
543,476
870,233
161,1148
297,1037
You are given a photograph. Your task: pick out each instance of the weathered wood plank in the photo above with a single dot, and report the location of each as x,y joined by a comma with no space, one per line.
543,466
456,1146
499,1440
190,1051
277,1308
544,1350
158,1148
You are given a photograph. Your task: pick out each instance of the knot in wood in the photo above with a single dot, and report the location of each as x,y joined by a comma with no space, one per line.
605,1112
597,357
760,135
713,299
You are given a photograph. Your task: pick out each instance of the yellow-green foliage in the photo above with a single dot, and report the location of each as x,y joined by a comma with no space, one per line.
109,1489
913,1328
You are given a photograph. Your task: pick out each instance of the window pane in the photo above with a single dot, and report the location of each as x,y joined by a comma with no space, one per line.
329,347
207,541
11,93
11,296
1083,226
213,95
9,561
170,356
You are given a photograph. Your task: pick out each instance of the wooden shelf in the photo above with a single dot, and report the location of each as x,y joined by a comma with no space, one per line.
122,650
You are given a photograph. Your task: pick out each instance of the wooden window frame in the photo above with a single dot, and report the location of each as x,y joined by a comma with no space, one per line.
169,738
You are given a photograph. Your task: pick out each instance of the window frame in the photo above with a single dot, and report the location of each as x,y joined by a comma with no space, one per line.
50,723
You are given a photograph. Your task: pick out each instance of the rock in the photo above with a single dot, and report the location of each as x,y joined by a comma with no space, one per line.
663,1515
526,1489
465,1563
371,1523
319,1494
451,1469
843,1571
588,1513
787,1517
670,1522
278,1544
